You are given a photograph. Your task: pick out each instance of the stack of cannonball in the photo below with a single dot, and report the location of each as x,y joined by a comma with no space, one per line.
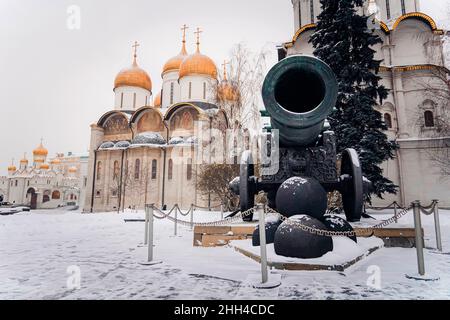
304,202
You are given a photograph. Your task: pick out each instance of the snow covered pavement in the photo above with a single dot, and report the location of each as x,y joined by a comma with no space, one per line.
37,249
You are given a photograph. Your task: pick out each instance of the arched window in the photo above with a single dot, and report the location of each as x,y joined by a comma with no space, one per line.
170,174
429,119
403,7
189,170
190,90
154,169
204,90
56,195
116,170
172,89
312,10
134,100
137,169
46,196
388,120
99,170
121,100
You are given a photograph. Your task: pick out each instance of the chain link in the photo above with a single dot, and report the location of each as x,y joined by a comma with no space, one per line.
320,232
168,216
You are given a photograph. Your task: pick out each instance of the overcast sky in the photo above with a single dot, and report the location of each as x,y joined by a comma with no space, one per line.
55,82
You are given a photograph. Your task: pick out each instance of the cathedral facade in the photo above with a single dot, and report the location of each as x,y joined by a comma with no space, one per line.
44,184
411,55
144,150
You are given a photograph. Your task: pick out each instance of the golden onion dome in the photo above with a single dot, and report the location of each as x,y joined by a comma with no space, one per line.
133,76
24,161
227,92
56,161
44,166
40,151
198,64
157,102
174,63
73,170
12,168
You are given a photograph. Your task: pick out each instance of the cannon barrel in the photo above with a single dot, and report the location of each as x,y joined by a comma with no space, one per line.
299,93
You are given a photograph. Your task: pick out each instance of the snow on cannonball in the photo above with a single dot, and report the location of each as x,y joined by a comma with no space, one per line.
302,196
337,224
293,242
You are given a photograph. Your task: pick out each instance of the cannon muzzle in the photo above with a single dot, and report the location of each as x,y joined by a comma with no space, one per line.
299,94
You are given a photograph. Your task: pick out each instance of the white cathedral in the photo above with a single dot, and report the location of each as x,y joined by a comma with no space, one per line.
46,183
411,52
142,151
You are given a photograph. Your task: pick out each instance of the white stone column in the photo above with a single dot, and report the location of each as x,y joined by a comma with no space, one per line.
96,139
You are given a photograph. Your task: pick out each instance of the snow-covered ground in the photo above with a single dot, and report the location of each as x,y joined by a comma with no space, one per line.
38,249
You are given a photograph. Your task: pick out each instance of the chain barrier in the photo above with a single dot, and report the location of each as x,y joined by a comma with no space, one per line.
393,205
320,232
207,208
168,216
187,213
429,210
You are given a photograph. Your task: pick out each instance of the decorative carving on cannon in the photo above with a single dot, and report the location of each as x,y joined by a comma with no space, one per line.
299,94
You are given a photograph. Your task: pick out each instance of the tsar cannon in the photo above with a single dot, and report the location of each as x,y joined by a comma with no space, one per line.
299,94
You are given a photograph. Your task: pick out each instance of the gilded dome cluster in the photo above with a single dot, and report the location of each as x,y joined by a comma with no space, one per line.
194,64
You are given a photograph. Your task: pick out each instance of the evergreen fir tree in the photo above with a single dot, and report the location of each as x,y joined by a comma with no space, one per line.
343,40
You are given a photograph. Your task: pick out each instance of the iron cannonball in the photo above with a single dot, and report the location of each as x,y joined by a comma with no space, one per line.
337,224
291,241
271,229
302,196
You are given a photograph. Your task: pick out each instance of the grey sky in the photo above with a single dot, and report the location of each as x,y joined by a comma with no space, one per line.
55,82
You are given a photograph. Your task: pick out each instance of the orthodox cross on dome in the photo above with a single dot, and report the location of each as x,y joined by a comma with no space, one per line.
184,28
224,65
135,47
198,32
183,49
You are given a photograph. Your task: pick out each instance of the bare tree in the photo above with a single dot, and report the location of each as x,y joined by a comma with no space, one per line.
215,179
239,94
129,184
245,75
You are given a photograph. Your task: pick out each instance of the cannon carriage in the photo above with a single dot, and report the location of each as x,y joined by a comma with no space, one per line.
299,94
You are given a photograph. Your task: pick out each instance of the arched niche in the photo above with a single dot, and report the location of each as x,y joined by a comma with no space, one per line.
116,126
147,119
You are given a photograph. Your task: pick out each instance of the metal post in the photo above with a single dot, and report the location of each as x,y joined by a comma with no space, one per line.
419,237
262,238
437,225
150,234
192,217
176,221
147,207
395,212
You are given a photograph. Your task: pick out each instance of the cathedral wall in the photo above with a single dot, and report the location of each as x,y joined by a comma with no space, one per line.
193,88
181,183
410,39
147,188
421,176
131,98
170,78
